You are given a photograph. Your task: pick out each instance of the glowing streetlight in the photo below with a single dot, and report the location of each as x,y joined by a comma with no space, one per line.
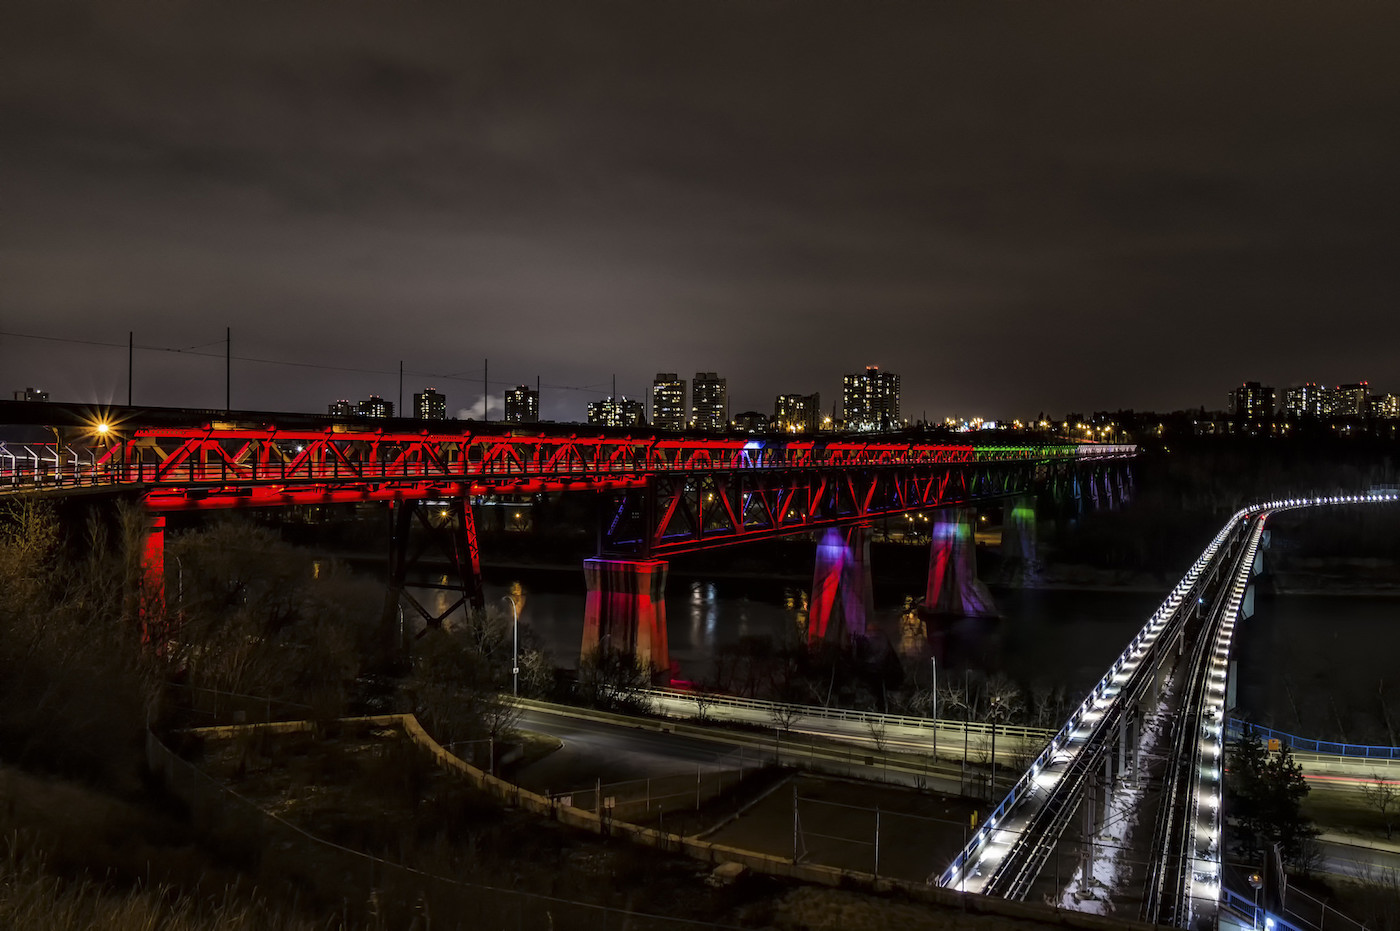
514,645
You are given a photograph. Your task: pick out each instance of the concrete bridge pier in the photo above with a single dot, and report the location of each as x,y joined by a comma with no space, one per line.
1018,538
842,592
953,587
625,610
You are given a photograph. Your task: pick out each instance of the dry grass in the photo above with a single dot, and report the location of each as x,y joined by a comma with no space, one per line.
37,900
75,858
810,908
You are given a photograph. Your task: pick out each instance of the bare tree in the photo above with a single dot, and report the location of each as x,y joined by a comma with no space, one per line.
704,700
615,681
784,715
1384,797
878,732
1004,700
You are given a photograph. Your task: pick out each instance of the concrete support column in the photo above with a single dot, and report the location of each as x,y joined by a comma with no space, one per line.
625,610
1122,744
953,587
151,601
842,594
1018,557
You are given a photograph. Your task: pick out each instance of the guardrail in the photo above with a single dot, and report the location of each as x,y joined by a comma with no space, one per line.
780,711
1238,728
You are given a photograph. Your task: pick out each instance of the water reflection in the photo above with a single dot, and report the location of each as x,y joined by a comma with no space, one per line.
1062,638
704,611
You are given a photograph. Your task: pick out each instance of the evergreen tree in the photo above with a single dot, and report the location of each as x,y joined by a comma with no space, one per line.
1264,795
1244,790
1286,790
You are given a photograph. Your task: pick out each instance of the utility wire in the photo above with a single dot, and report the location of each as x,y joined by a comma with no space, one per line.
195,351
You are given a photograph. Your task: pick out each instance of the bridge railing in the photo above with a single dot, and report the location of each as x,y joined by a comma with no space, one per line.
223,457
1142,643
1237,728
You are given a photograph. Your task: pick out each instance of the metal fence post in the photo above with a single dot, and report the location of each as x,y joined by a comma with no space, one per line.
877,841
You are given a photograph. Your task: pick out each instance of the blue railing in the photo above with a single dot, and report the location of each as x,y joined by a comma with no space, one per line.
1245,907
1237,728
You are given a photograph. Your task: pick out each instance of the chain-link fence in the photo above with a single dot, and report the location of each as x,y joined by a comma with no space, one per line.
644,800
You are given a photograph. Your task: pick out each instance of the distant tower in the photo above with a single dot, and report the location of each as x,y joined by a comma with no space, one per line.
710,403
376,407
1252,401
797,413
1349,400
870,400
1304,400
429,405
523,405
616,412
668,402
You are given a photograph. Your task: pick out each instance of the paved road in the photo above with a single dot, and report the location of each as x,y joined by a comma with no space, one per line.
1345,859
611,752
614,747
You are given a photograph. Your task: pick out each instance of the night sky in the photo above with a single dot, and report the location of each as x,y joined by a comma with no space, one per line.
1019,208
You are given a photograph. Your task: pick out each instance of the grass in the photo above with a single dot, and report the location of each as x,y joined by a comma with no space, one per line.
1345,811
73,858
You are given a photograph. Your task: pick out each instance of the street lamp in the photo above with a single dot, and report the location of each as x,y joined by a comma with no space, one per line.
57,456
514,645
1256,882
933,673
992,785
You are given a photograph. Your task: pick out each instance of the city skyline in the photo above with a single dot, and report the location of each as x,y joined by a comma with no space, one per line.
962,197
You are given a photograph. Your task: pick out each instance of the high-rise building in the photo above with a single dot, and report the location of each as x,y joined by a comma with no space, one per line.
376,407
616,412
797,413
1305,400
1386,406
709,409
870,400
668,402
523,405
750,422
429,405
1349,400
341,409
1252,401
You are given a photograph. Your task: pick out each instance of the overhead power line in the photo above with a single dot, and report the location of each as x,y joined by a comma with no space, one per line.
197,351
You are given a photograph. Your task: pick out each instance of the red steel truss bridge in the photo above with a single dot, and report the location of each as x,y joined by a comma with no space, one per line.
659,493
668,493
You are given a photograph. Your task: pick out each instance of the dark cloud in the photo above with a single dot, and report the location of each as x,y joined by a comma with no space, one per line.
1018,208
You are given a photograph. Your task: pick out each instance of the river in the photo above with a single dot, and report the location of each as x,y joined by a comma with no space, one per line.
1061,638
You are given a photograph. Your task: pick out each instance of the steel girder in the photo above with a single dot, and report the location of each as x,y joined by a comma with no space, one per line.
685,513
212,467
224,465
